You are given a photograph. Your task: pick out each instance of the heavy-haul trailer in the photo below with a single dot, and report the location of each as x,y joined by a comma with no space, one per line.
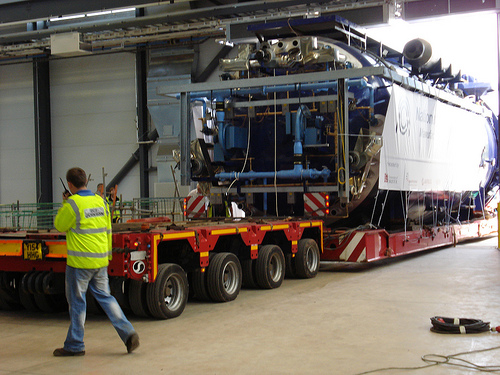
363,246
153,266
157,266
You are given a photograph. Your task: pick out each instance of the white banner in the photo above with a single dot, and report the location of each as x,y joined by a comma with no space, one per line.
431,146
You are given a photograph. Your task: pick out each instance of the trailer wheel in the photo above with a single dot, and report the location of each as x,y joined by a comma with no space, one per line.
200,286
307,259
25,296
270,267
9,285
137,298
7,303
51,303
54,283
168,295
290,271
247,268
224,277
9,294
119,290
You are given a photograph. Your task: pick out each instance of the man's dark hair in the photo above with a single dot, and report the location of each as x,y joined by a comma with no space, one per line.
77,177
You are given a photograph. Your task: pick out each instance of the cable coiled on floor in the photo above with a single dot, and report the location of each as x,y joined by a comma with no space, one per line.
458,326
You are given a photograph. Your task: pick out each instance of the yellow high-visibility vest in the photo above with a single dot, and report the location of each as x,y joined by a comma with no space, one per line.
86,220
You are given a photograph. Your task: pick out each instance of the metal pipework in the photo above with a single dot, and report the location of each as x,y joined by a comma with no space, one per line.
418,52
302,113
298,172
317,86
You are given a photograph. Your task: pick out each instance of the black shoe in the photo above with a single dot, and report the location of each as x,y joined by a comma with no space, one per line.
61,352
132,342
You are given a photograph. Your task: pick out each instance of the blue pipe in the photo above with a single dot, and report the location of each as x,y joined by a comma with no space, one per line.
298,172
219,115
302,112
317,86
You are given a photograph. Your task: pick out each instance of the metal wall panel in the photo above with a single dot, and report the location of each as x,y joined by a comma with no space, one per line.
94,118
17,134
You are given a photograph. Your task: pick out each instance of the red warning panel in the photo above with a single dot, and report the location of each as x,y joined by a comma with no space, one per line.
316,204
194,207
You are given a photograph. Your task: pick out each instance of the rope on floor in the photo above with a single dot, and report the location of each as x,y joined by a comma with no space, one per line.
452,325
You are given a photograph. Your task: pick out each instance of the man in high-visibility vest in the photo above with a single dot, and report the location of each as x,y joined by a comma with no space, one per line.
85,218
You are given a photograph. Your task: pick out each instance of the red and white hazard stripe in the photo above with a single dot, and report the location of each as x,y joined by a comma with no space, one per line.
355,250
316,204
194,206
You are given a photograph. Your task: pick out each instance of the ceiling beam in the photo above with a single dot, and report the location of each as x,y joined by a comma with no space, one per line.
419,9
26,11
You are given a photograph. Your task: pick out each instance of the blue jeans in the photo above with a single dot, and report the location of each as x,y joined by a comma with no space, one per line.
78,281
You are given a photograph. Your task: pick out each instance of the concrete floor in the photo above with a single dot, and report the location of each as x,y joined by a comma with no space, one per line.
348,320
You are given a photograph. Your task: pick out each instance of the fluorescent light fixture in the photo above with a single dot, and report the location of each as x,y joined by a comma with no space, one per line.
123,10
64,18
95,14
92,14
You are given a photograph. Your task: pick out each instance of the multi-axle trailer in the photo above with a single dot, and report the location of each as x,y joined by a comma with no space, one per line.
157,267
154,266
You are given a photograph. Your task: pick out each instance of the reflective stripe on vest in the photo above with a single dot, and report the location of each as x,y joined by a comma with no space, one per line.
78,224
88,255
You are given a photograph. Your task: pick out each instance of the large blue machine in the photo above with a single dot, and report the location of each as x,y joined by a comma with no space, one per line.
305,116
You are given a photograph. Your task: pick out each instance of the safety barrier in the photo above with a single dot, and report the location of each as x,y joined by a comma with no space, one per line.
40,216
28,216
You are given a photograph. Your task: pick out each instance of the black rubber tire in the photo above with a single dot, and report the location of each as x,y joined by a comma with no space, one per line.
199,284
307,259
119,290
9,294
39,282
137,298
270,267
290,271
224,277
7,303
44,303
248,270
54,283
51,302
9,284
27,299
31,282
168,295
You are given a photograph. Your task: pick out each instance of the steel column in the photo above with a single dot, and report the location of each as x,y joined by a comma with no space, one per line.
142,120
343,136
43,140
185,138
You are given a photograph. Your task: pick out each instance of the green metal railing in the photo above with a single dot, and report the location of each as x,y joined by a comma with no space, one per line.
28,216
40,216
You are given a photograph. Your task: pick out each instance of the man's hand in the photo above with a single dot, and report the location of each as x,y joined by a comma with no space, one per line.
65,195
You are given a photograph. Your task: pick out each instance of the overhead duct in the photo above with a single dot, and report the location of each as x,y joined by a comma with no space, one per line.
418,53
68,44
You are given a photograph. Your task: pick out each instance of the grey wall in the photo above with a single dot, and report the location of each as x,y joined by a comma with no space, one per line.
93,109
17,134
94,118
